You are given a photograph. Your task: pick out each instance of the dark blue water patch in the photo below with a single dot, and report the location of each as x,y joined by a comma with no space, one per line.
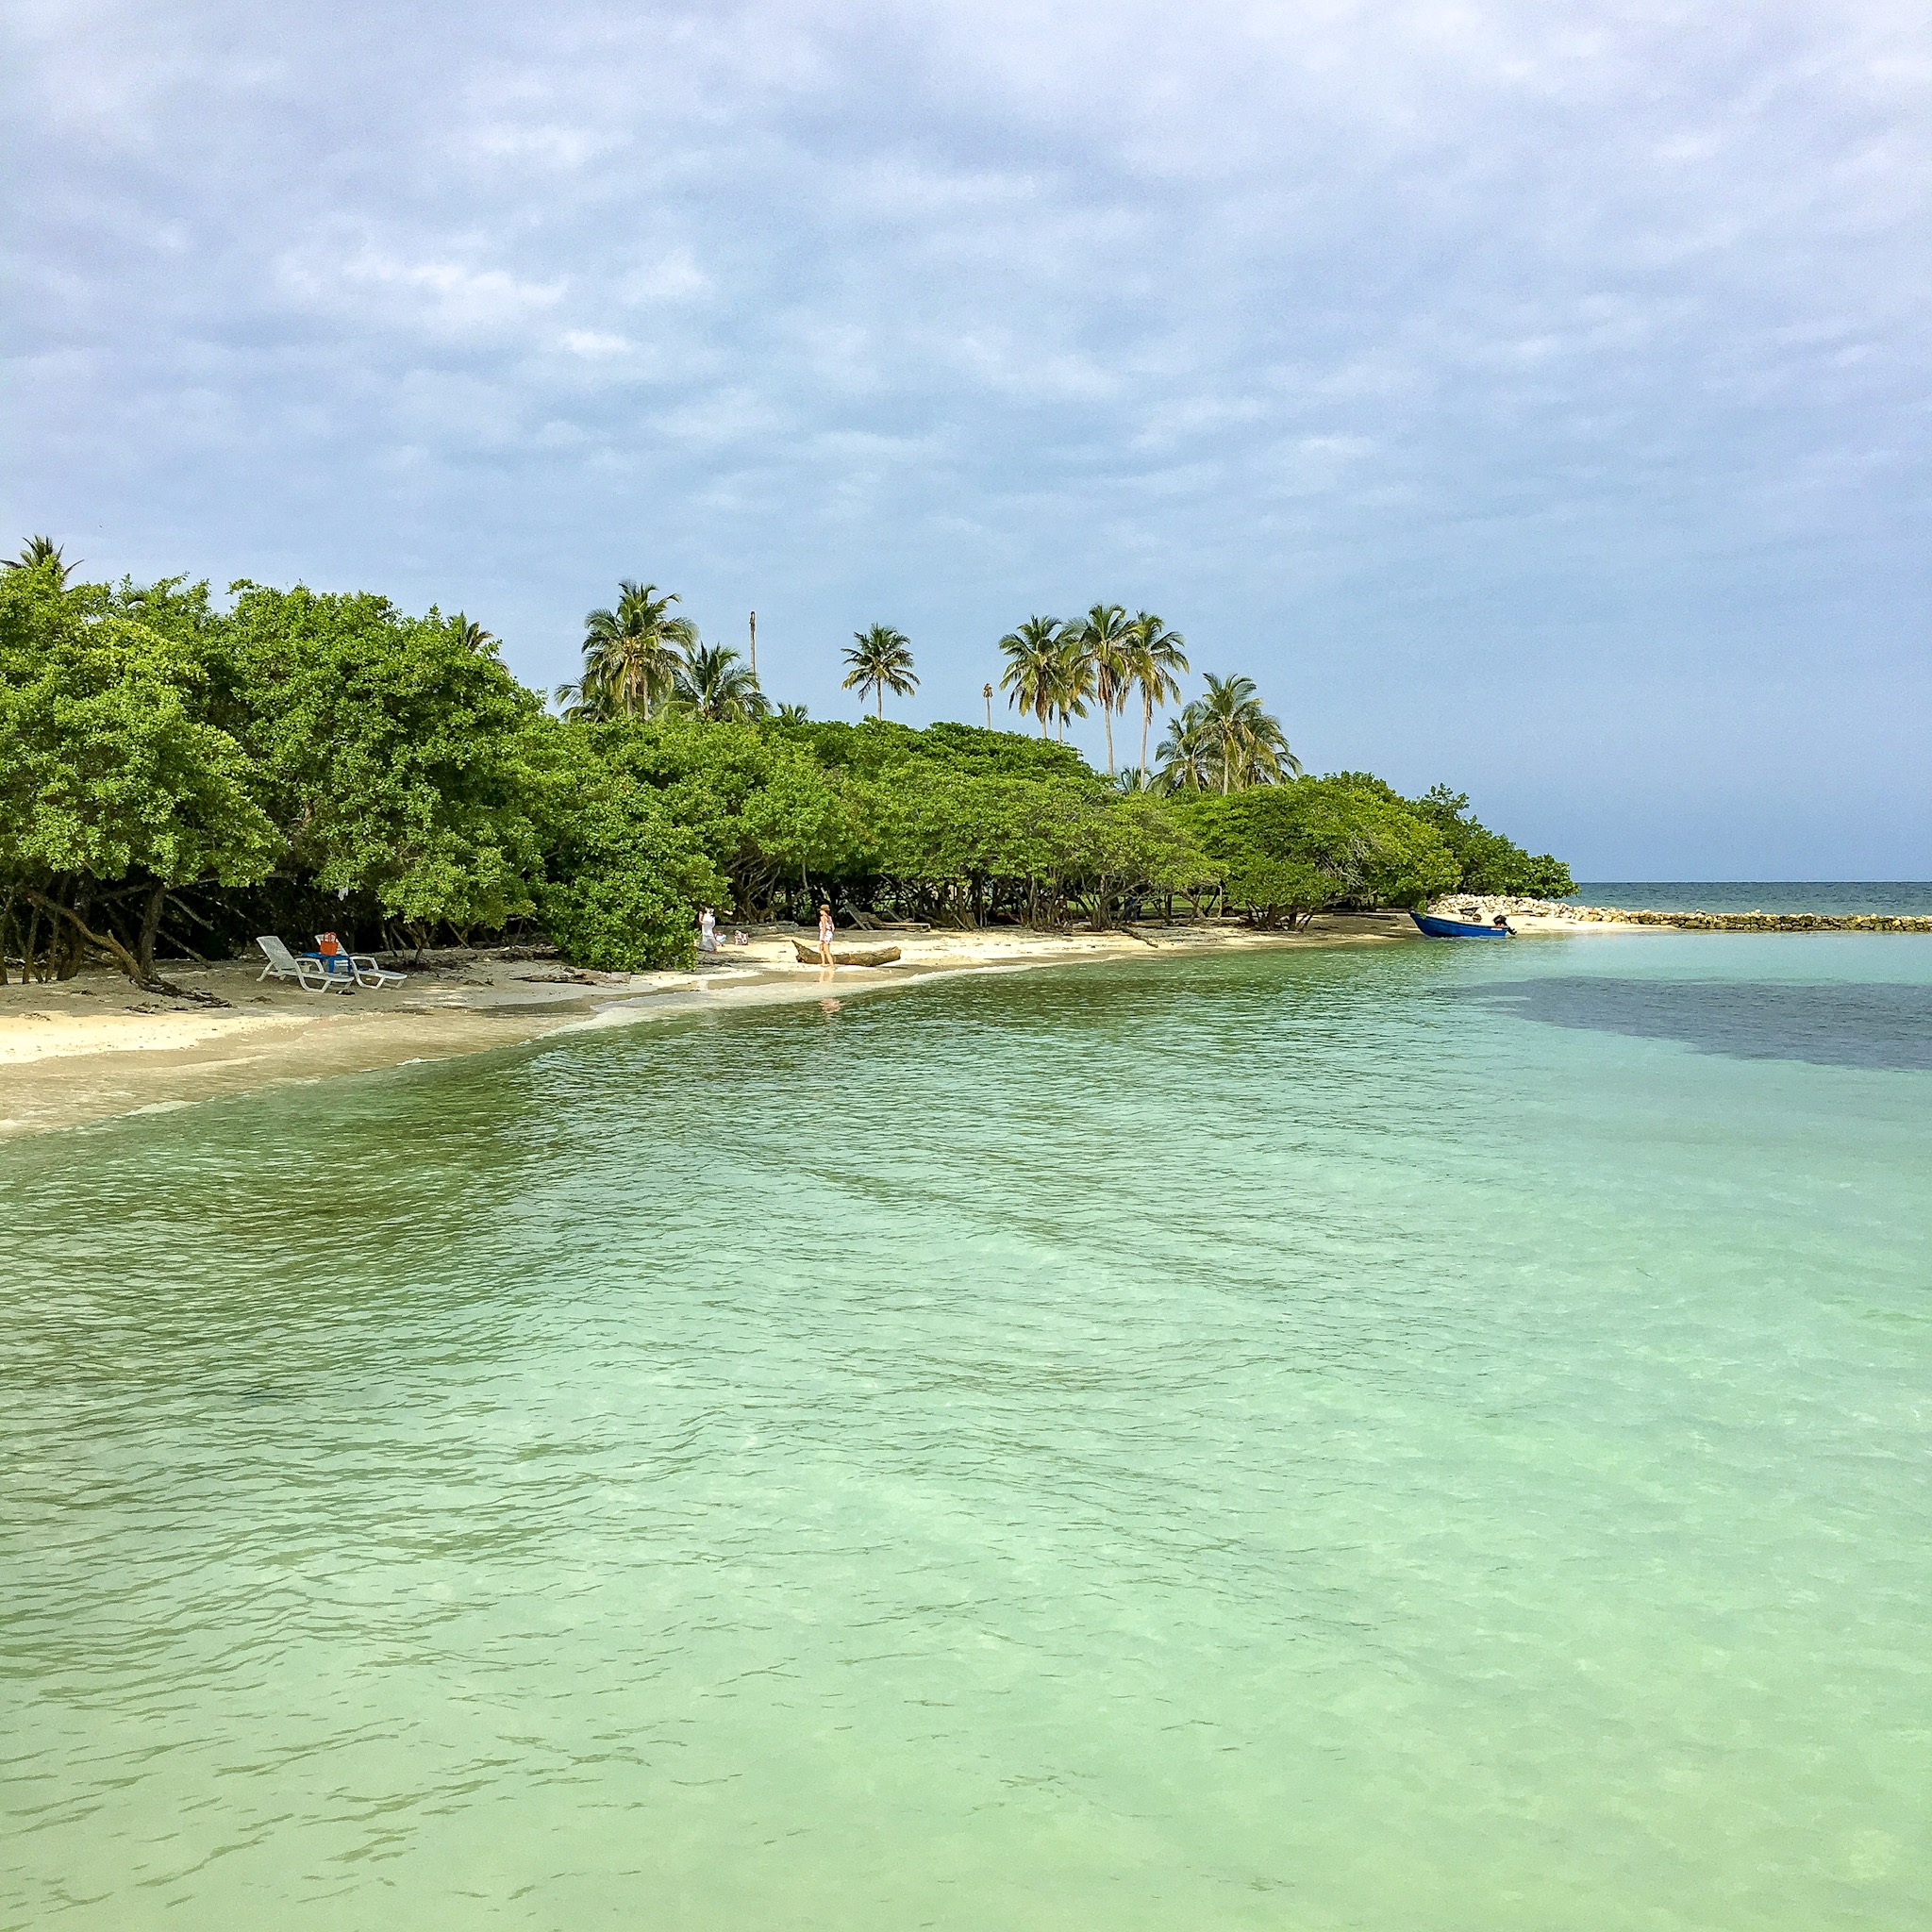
1832,1026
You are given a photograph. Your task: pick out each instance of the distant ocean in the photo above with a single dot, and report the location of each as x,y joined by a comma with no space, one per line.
1833,896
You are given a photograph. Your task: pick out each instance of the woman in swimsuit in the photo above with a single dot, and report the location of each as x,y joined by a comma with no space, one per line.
824,934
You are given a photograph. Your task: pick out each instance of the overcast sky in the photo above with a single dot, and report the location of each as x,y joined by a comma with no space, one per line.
1529,396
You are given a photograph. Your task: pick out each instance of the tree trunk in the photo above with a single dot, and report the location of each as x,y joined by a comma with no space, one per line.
1106,719
81,935
150,928
1147,726
67,942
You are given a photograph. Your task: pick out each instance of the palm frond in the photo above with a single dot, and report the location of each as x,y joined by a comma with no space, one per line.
38,552
879,661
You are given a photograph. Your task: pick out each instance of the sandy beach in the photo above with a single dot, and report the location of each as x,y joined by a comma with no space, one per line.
96,1047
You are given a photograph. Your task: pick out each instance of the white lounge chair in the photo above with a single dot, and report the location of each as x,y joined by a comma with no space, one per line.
311,974
362,965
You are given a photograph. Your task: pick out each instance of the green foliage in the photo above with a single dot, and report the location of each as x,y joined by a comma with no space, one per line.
971,840
710,683
1123,845
1226,741
304,750
394,753
623,879
109,762
632,656
1293,848
43,554
1053,667
953,819
1101,646
880,660
1485,860
1035,667
877,745
758,808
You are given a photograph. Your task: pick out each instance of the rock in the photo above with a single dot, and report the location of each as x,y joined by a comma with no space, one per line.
1482,910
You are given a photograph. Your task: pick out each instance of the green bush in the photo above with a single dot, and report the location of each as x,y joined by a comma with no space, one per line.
1486,861
1280,851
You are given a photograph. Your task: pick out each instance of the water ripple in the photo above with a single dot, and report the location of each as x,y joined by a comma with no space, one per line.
1261,1441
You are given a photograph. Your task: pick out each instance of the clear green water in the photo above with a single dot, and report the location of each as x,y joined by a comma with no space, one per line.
1429,1437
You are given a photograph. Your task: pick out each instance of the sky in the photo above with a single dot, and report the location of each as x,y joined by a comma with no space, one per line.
1531,397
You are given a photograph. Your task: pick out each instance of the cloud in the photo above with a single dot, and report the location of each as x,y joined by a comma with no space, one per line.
595,345
368,285
1348,334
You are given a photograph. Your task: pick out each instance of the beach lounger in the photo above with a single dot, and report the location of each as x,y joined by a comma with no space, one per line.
362,966
309,973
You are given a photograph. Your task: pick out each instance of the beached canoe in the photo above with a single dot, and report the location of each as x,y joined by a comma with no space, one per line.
1434,928
867,955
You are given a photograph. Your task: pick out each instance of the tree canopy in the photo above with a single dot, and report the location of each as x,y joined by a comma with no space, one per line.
392,752
117,780
1486,861
1286,850
175,777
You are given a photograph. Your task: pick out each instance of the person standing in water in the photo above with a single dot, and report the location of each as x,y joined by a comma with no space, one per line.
824,934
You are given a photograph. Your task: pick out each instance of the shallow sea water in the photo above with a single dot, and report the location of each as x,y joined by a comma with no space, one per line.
1412,1437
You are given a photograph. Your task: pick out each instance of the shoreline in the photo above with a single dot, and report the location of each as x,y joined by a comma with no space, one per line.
1550,915
95,1048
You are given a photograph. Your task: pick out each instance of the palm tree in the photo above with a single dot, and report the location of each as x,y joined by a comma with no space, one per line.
631,654
1102,639
789,714
1033,667
41,550
580,704
1185,758
714,684
1072,681
1248,745
1154,657
470,634
882,662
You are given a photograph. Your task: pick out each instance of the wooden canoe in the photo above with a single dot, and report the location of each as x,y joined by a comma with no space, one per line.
867,955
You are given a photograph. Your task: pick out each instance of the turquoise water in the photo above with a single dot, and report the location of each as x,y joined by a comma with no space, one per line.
1412,1437
1910,898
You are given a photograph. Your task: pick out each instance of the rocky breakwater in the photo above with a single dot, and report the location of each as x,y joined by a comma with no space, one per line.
1484,909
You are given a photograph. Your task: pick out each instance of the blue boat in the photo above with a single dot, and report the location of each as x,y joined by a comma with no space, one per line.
1434,928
